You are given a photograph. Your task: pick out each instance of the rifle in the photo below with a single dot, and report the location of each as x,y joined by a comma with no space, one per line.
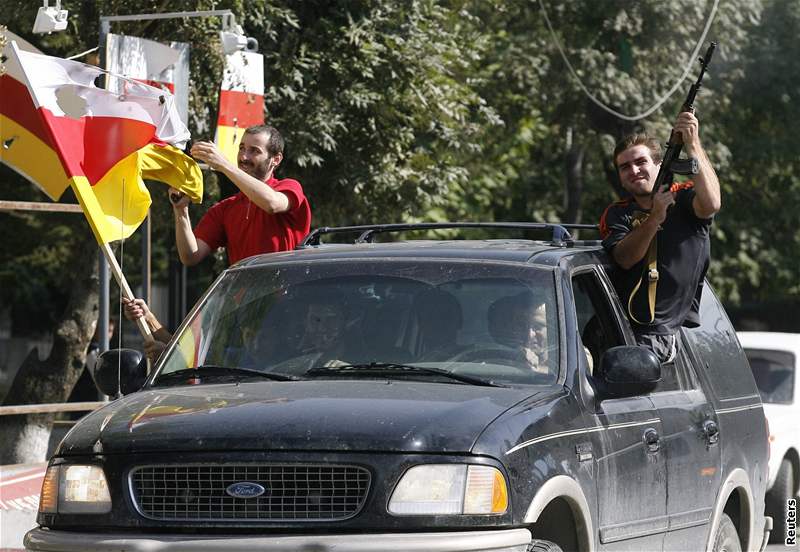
671,163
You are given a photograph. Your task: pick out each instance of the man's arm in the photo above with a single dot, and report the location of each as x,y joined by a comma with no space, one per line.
708,199
190,249
263,196
633,247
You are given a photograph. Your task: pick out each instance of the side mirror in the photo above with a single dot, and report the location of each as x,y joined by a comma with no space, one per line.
626,371
123,370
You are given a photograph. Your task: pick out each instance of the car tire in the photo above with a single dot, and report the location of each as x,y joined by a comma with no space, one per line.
777,498
726,539
543,546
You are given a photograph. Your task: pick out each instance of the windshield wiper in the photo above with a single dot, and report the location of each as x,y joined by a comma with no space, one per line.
214,371
384,368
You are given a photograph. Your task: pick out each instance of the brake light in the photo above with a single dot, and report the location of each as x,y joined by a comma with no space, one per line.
770,438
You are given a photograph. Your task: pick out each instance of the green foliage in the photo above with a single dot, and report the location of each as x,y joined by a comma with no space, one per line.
374,100
466,109
759,236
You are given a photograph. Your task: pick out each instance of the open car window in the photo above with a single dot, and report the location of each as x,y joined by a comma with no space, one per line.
496,322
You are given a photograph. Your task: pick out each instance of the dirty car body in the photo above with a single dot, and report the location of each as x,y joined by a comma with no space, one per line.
423,395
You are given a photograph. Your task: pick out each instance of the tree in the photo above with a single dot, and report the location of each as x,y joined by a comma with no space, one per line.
759,242
467,109
373,100
49,272
52,379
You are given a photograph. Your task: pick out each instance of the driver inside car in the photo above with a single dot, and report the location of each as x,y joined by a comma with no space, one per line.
519,322
323,333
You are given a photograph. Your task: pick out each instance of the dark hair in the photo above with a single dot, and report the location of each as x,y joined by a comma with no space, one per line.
639,139
275,142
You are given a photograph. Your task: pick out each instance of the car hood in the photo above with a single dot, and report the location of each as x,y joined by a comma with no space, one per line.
333,415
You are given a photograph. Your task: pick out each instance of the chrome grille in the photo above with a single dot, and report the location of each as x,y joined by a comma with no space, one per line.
293,492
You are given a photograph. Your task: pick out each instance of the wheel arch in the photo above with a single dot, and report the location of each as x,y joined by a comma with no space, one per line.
735,499
562,487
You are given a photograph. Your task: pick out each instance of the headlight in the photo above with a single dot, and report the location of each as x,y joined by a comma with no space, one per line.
442,489
76,489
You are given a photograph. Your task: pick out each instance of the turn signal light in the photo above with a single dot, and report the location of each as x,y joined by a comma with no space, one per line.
48,502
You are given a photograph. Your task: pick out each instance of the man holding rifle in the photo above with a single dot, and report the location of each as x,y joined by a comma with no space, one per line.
659,239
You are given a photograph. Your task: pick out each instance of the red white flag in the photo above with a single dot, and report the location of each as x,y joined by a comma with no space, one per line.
25,144
106,141
241,100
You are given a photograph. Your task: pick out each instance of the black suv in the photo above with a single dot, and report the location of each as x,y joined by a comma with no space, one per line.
448,395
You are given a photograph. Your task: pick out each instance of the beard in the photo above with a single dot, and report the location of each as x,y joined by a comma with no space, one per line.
256,171
640,189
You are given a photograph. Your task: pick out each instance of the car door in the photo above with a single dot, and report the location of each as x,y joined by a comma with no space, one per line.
624,435
690,443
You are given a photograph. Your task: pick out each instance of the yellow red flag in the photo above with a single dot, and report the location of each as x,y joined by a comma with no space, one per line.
106,142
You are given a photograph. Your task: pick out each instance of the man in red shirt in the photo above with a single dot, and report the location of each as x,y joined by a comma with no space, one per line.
267,215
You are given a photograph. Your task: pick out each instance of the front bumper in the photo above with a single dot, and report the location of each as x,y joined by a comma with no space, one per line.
509,540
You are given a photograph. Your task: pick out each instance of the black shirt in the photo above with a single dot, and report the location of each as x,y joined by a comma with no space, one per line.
683,252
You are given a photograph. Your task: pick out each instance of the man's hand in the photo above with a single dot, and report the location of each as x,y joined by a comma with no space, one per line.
135,309
688,127
179,200
661,202
210,155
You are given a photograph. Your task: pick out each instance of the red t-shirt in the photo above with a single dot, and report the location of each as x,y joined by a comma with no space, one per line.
245,229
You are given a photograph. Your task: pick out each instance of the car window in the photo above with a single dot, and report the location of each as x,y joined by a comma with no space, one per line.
774,374
596,326
497,322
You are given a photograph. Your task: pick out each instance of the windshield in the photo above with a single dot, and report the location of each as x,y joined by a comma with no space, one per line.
492,322
774,374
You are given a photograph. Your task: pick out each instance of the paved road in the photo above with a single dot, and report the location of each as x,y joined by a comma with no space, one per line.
19,500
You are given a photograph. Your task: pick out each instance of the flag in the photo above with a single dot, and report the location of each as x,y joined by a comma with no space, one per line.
241,100
164,66
24,142
106,142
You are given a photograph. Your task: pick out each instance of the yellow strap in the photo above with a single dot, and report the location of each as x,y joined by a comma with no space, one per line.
652,281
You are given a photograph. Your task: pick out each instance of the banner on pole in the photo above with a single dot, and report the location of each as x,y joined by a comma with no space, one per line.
159,65
241,100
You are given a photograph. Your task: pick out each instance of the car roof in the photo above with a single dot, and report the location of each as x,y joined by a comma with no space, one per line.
502,250
777,341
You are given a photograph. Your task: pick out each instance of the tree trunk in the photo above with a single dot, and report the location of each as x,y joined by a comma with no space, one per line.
574,189
25,437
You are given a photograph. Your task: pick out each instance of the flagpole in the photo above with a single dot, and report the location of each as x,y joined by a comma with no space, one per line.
111,259
125,288
104,247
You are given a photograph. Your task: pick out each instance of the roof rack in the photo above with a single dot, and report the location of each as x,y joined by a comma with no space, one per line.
367,232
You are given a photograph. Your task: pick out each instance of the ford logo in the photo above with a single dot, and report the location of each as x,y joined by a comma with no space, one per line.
245,489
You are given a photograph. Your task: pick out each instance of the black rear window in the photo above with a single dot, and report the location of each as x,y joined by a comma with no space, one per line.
774,374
